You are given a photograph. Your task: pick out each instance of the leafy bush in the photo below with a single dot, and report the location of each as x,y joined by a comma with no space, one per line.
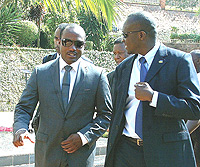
27,34
96,31
183,37
183,4
51,21
9,17
89,45
108,43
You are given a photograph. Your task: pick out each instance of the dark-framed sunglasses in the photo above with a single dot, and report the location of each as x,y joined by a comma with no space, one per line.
68,42
125,35
56,38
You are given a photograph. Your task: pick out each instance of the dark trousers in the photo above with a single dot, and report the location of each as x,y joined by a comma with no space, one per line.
196,145
128,154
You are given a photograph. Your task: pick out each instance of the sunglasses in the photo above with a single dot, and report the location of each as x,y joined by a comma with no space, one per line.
56,38
125,35
68,42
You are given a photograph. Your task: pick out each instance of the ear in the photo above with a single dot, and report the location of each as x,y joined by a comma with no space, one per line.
142,35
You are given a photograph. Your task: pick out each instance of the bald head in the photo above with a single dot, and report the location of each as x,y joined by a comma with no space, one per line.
74,28
196,59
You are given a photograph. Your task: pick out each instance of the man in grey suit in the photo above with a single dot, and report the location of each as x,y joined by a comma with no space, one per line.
52,56
154,91
67,129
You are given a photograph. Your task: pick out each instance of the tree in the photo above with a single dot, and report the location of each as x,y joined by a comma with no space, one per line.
100,8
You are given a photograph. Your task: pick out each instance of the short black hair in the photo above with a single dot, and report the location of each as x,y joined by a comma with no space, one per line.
73,26
146,22
118,40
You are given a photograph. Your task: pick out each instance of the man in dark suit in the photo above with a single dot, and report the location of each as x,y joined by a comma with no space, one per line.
69,91
154,91
193,125
58,31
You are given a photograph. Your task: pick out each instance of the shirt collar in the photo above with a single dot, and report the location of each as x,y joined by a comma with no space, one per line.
150,55
73,65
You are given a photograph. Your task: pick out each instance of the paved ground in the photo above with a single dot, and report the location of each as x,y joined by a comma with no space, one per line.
24,156
6,146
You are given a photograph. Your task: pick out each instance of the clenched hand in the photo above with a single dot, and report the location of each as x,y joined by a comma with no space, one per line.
72,144
143,91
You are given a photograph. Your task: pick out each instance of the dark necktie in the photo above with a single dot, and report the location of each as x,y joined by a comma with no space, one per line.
138,124
65,85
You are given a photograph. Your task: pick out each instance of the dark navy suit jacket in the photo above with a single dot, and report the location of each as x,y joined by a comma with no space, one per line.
166,141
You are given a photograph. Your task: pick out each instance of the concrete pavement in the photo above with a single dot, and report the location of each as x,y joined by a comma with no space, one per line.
11,156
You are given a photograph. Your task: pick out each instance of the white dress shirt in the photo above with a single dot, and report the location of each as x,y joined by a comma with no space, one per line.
73,73
131,102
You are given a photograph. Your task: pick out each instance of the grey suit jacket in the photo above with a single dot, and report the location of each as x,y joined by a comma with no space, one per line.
166,141
90,93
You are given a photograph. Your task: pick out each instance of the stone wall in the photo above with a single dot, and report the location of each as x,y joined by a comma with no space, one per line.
184,46
14,60
185,22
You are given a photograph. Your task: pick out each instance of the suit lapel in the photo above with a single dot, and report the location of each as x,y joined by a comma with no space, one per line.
124,86
159,61
55,74
82,70
126,74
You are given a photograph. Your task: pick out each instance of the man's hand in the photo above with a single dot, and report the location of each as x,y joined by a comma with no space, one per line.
72,144
19,136
143,91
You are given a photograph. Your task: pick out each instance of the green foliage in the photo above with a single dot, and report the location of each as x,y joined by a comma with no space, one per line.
27,34
51,21
174,29
183,4
89,45
96,31
100,14
182,37
108,43
9,17
100,8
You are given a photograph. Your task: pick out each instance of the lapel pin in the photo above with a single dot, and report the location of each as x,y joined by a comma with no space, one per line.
86,69
160,61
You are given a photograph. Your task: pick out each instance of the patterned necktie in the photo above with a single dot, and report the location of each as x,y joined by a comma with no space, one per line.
65,85
138,124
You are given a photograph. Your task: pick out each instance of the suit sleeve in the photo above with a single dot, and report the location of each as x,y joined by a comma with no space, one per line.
26,106
186,103
103,108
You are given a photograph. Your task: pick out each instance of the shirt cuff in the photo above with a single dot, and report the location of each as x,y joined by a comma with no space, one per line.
83,138
153,103
20,131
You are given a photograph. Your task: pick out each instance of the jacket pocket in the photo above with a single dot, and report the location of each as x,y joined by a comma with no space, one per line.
42,137
173,137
